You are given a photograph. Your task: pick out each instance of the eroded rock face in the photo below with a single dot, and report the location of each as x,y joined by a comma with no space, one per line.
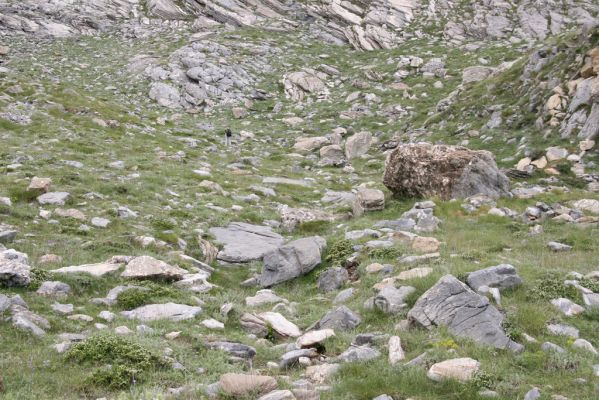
465,313
426,170
292,260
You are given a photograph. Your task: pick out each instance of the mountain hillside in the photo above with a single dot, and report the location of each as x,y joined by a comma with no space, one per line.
302,199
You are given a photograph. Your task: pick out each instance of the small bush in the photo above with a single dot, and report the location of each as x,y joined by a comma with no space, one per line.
340,251
38,276
150,293
483,380
551,287
385,253
128,360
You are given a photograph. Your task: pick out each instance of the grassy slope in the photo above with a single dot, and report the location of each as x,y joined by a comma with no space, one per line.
71,95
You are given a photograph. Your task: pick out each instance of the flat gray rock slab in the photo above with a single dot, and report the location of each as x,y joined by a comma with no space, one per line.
245,242
465,313
169,311
53,198
98,269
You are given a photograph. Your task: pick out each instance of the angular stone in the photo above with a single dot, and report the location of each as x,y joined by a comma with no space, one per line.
358,145
332,279
503,276
245,242
146,267
238,350
289,261
53,198
465,313
97,270
14,270
368,200
359,353
169,311
340,318
461,369
312,338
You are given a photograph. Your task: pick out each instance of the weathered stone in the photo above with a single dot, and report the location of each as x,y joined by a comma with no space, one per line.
54,289
461,369
368,200
359,353
237,350
146,267
98,270
312,338
503,276
452,304
341,318
291,260
332,279
169,311
53,198
244,242
358,145
14,268
425,170
391,300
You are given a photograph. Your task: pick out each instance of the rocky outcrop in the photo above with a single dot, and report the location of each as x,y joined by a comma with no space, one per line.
289,261
465,313
426,170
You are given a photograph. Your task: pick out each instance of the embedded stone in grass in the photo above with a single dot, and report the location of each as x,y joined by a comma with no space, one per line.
56,289
359,353
291,260
168,311
313,338
460,369
264,296
53,198
558,247
14,268
503,276
340,318
332,279
97,270
567,306
146,267
245,242
239,350
465,313
280,324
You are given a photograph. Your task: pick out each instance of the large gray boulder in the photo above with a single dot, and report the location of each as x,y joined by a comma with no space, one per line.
289,261
503,276
427,170
465,313
245,242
